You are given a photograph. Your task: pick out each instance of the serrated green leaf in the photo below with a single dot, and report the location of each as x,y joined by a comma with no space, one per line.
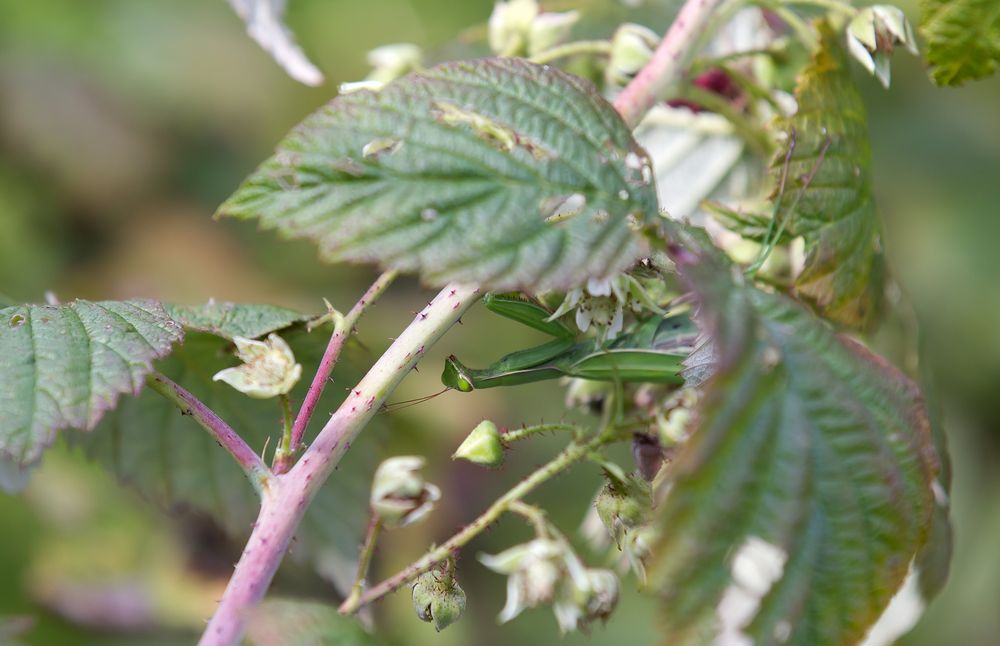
963,39
835,214
304,623
234,319
173,462
494,171
65,366
796,508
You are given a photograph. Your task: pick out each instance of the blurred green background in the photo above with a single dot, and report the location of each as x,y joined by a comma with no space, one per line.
124,123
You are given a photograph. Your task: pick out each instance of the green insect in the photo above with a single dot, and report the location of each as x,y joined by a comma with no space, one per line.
652,352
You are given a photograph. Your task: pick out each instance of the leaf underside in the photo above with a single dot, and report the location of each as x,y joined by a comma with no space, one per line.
835,214
803,495
963,39
234,319
65,366
494,171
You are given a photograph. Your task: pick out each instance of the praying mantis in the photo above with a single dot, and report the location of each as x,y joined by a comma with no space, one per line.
652,352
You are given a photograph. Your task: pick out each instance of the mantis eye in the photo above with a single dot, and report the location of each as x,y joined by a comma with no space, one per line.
454,376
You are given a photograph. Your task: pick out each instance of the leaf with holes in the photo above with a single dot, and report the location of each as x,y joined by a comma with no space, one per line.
65,366
795,510
494,171
834,210
173,462
963,39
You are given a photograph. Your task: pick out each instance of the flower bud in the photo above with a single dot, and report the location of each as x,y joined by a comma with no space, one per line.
631,48
438,598
873,34
389,62
399,494
268,369
509,26
550,29
623,504
482,446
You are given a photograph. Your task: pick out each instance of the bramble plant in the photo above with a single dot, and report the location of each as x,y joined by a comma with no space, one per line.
689,219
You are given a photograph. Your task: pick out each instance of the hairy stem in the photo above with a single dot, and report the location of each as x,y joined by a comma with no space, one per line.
667,63
570,455
338,339
256,471
529,431
364,561
291,493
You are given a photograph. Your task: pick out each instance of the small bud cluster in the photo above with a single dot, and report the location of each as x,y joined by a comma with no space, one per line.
437,597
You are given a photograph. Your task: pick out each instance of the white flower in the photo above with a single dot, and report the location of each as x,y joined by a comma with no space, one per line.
389,62
550,29
873,34
533,571
631,48
268,369
583,599
399,495
520,27
602,304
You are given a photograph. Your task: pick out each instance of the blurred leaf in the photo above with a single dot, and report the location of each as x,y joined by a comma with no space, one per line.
796,507
234,319
304,623
264,25
13,628
65,366
963,39
835,214
170,460
455,172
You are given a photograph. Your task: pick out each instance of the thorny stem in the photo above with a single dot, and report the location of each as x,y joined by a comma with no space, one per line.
571,454
256,471
528,431
667,63
338,339
533,515
290,494
364,561
580,47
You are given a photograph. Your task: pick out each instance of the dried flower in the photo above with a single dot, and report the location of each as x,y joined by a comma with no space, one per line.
874,33
399,494
268,369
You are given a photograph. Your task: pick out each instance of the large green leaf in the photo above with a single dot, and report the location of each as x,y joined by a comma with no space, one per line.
65,366
835,213
495,171
963,39
233,319
793,513
173,462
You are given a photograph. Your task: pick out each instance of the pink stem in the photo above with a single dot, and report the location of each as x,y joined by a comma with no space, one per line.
290,494
667,63
326,364
256,471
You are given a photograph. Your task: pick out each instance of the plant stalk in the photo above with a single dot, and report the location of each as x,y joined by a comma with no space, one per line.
256,471
338,339
667,64
571,454
292,492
